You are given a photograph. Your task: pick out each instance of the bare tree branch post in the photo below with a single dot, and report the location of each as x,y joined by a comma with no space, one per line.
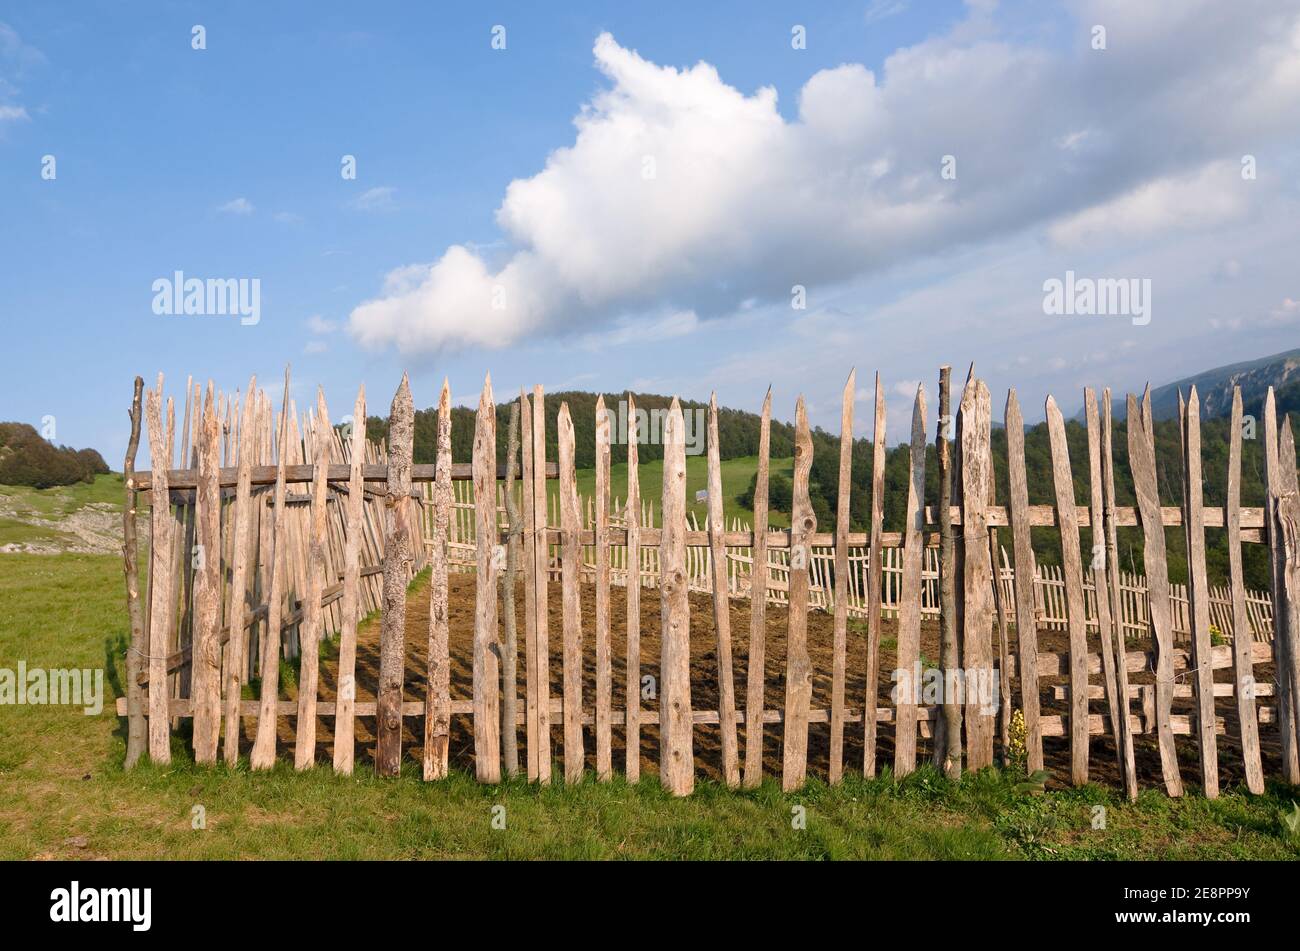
137,740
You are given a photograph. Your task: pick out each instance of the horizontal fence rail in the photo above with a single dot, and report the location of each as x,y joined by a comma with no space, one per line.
246,578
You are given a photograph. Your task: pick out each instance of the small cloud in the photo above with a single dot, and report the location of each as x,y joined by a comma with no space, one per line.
321,325
1285,312
883,9
906,387
237,206
379,198
315,346
675,324
13,113
1229,270
1072,141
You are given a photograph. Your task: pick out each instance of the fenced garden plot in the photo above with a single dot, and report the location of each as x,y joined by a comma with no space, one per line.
245,574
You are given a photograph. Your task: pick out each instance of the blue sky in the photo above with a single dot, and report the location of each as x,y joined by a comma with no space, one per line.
225,163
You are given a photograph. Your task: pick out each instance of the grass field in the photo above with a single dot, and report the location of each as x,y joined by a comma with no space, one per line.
64,794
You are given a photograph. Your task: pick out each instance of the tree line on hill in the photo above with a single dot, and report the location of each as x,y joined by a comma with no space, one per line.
27,459
738,433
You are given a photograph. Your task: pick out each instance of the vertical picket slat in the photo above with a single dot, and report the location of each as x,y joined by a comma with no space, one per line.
798,666
312,613
236,651
263,753
574,753
487,711
160,581
721,606
1025,571
948,728
531,729
1072,573
1104,596
604,660
1142,463
1282,635
344,724
1242,662
1198,594
755,679
1113,577
205,659
633,591
975,474
875,570
676,758
397,554
541,567
1287,520
909,609
841,632
509,624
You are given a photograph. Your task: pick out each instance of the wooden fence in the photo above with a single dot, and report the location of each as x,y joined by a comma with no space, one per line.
242,571
1049,583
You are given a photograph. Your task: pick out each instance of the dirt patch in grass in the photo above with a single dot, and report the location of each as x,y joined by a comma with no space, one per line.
704,691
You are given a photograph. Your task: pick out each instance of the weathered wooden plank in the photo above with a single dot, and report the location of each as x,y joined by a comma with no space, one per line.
948,740
1142,463
975,468
487,700
510,634
633,590
1198,594
1113,591
676,762
1282,636
721,606
354,514
541,563
798,665
236,657
206,662
604,658
841,630
570,561
1243,666
875,573
1105,598
1288,525
1072,573
397,556
529,539
1025,571
755,678
263,752
160,581
312,629
909,612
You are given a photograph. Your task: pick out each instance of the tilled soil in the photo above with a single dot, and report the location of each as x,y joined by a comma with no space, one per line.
704,689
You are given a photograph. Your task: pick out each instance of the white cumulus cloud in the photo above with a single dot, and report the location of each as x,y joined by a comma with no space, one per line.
683,194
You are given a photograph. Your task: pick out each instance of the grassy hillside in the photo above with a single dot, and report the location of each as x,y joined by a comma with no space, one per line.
84,516
736,476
